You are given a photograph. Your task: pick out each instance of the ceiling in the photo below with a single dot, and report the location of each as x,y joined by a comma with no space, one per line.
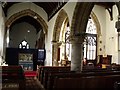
51,9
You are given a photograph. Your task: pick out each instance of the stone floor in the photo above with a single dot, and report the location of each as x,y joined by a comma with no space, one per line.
32,83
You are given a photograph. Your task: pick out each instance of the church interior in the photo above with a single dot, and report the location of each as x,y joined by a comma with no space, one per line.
59,45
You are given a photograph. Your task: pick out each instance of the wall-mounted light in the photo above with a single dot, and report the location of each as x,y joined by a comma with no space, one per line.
35,17
28,31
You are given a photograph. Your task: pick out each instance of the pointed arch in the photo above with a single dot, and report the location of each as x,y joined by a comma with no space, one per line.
59,21
78,28
26,12
62,16
80,17
96,21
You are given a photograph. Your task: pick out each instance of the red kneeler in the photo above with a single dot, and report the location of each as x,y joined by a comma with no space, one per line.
30,73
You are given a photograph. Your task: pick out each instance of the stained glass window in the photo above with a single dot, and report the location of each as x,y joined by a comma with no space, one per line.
24,45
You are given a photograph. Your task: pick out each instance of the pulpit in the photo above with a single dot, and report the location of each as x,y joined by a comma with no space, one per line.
105,59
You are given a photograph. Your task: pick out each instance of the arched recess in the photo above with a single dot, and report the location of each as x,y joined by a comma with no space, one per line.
62,16
28,12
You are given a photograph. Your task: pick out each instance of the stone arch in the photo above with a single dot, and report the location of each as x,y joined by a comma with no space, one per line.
62,16
28,12
78,28
80,17
96,21
59,21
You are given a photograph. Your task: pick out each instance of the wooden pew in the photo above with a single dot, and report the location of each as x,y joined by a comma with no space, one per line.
44,69
73,76
85,83
13,75
10,72
47,73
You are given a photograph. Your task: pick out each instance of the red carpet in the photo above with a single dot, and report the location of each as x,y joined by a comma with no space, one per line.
30,73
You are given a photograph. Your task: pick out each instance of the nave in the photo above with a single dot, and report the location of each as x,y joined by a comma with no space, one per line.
51,37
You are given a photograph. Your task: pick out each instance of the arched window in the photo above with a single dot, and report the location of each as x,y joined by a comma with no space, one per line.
67,42
90,41
24,45
65,47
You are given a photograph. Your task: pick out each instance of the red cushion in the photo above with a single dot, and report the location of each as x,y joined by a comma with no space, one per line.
30,73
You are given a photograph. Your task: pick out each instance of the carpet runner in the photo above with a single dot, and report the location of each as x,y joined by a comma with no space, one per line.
32,83
30,73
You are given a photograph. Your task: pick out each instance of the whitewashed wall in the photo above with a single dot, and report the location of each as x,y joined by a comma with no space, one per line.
109,33
48,39
112,35
100,13
69,8
2,31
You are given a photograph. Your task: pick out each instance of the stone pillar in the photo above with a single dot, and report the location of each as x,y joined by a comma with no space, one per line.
55,52
77,55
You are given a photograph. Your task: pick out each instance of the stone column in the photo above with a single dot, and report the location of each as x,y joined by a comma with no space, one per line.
55,53
76,54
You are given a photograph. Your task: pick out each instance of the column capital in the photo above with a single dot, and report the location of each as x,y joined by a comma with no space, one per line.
76,39
56,43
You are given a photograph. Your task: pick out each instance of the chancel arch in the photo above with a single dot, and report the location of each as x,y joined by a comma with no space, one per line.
24,13
28,12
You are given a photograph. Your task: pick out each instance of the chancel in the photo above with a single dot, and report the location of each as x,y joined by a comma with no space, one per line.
59,45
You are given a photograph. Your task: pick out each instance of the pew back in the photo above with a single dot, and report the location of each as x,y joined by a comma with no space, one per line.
72,76
12,76
12,72
84,83
43,70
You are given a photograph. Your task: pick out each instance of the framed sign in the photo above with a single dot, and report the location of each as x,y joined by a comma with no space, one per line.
41,54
